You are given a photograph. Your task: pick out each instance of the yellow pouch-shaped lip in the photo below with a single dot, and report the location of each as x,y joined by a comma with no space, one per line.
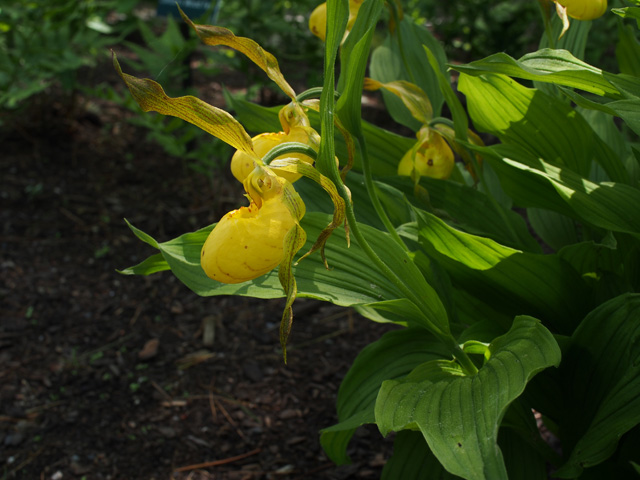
247,242
431,158
584,9
242,164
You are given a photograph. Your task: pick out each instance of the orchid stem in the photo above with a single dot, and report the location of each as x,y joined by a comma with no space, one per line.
375,200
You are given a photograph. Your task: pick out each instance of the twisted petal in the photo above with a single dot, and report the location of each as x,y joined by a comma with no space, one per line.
242,164
431,157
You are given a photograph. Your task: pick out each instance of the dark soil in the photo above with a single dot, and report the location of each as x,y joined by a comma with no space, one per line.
104,376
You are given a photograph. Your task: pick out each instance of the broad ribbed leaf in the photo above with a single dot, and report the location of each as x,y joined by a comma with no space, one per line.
602,383
412,460
387,65
559,67
352,279
459,416
393,356
515,281
354,56
529,118
628,12
533,182
608,205
556,230
153,264
469,210
628,51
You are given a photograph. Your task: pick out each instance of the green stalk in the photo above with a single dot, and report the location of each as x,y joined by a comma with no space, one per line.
371,190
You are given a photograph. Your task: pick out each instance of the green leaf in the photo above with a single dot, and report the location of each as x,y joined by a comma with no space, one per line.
628,51
352,279
393,356
154,264
559,67
531,119
514,281
628,12
604,205
401,57
354,57
555,229
459,416
602,386
469,210
412,460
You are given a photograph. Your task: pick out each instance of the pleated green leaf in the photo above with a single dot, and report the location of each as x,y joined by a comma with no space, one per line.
469,210
393,356
559,67
153,264
510,280
351,280
531,119
459,416
387,64
628,51
602,383
354,56
412,460
628,12
533,182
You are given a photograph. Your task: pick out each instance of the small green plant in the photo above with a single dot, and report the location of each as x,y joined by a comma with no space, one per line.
497,328
43,45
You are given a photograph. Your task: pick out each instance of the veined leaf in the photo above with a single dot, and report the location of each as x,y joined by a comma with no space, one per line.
388,64
469,210
352,280
602,383
459,416
628,12
154,264
412,460
517,282
559,67
533,182
529,118
393,356
354,56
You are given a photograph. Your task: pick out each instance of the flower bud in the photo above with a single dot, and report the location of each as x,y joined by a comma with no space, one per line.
431,157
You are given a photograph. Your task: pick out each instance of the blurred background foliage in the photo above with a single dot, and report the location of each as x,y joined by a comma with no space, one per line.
62,48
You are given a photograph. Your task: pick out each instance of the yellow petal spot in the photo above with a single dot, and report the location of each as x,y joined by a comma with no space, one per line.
432,157
247,242
584,9
242,164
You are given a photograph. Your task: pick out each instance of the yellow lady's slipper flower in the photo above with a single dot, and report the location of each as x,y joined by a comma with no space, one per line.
584,9
430,157
250,241
318,19
242,164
